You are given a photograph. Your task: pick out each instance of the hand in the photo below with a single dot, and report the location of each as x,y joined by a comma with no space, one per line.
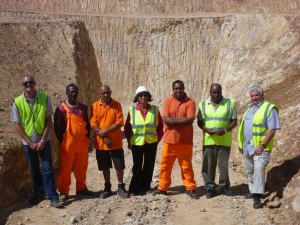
101,133
40,145
129,146
209,131
33,145
168,121
241,150
220,132
107,141
258,150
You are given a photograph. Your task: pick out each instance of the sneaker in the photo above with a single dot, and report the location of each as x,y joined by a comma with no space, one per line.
226,191
63,197
249,196
107,191
55,203
257,204
159,192
211,193
192,194
86,192
122,191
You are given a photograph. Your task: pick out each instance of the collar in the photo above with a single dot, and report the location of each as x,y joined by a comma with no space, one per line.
102,103
259,104
222,100
139,107
184,99
30,99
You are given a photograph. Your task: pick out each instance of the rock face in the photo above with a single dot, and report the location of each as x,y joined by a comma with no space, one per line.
153,44
56,54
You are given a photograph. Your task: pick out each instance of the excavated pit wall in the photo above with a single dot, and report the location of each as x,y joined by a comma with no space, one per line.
234,50
56,53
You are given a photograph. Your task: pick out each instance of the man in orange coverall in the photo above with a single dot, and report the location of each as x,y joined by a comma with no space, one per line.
106,121
178,115
72,129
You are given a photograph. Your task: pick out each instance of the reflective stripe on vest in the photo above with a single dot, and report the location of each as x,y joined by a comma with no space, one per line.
259,126
143,130
217,120
33,119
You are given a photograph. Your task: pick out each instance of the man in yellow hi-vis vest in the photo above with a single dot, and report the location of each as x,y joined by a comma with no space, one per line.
256,139
217,116
31,115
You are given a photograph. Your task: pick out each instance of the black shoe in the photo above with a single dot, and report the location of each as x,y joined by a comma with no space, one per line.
55,203
122,191
159,192
249,196
257,204
86,192
192,194
107,191
226,191
63,197
211,193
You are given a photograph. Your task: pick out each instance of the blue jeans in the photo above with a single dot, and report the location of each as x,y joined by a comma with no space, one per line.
46,181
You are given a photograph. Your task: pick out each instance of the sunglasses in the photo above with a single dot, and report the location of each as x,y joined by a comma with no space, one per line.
30,82
143,95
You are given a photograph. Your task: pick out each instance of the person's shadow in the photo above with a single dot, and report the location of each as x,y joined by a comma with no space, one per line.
279,176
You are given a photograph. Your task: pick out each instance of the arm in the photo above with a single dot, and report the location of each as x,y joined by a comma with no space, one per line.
201,124
128,131
58,123
48,126
160,127
232,125
182,121
24,136
88,125
259,149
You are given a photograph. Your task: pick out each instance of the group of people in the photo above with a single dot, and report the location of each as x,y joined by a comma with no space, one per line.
144,127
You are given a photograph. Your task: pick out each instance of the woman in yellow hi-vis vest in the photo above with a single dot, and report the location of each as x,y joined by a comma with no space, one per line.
143,130
256,139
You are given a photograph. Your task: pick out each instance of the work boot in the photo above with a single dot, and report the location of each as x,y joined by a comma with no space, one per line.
159,192
248,196
86,192
210,193
226,191
192,194
122,191
257,204
55,203
63,197
107,191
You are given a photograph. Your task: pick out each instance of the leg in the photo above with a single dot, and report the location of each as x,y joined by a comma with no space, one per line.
65,167
223,158
184,154
149,163
34,166
249,167
81,164
104,165
167,161
260,164
48,172
136,180
209,165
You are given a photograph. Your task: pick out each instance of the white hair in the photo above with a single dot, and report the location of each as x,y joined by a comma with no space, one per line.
256,87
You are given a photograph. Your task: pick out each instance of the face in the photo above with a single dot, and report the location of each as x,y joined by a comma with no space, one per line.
216,93
178,90
256,97
143,97
72,93
105,94
28,83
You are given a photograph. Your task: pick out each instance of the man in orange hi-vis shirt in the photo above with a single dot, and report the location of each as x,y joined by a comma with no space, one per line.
178,115
107,120
72,129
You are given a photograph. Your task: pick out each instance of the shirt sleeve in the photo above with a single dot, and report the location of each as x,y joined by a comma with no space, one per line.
191,109
49,110
15,115
94,119
273,120
119,115
166,108
160,127
234,114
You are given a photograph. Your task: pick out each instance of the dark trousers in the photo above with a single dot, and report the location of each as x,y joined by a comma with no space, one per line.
213,155
143,166
45,181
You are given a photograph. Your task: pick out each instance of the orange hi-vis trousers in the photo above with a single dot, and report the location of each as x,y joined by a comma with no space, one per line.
183,153
73,154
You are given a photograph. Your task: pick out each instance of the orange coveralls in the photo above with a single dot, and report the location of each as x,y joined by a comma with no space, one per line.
73,153
178,143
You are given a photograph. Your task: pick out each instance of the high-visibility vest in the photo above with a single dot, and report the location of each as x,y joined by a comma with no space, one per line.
259,126
33,119
217,120
143,130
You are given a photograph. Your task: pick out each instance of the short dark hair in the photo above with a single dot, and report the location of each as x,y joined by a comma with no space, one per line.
71,85
177,82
